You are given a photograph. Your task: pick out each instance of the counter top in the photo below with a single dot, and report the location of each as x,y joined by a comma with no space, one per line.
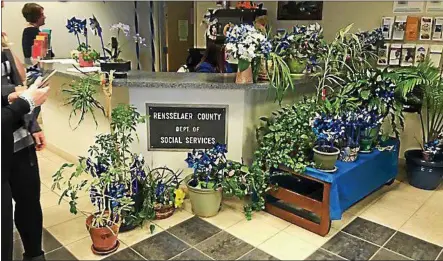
144,79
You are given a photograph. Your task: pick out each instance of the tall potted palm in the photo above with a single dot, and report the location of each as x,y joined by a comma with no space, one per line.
425,166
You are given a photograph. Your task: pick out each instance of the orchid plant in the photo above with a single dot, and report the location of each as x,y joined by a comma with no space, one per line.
115,48
78,27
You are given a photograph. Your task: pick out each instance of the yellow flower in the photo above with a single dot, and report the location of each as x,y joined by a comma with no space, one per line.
179,197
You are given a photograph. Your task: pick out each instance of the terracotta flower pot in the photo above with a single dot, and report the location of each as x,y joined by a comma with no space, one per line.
84,63
162,211
104,240
244,77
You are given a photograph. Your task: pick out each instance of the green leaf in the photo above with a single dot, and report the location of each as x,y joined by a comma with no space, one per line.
243,65
152,228
365,94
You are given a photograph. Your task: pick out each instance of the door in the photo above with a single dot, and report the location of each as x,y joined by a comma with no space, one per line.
179,32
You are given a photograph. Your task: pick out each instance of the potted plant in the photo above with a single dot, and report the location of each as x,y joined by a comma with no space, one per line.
113,61
329,130
84,54
168,196
425,166
246,44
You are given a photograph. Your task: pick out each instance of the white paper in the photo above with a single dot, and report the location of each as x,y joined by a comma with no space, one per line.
437,34
434,7
183,30
425,28
84,69
383,54
407,54
62,61
399,28
408,6
386,25
421,51
395,54
435,54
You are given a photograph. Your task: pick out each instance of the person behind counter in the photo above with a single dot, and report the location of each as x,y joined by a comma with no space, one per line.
35,16
214,61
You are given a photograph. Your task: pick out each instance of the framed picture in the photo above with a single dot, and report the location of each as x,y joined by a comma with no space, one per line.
300,10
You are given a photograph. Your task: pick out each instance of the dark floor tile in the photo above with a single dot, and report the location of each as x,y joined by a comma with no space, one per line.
125,254
160,247
224,246
60,254
194,230
350,247
192,254
384,254
440,257
369,231
257,254
413,247
49,242
323,255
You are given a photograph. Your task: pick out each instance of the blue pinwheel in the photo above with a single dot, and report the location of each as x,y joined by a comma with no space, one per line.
97,29
77,26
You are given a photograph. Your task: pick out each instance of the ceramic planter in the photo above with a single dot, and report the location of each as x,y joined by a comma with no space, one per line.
84,63
421,173
349,154
296,66
205,202
104,239
325,157
366,145
163,211
244,77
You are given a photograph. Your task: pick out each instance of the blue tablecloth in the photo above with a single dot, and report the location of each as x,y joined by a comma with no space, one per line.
354,181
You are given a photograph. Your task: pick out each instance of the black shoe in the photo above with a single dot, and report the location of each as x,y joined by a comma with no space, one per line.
36,258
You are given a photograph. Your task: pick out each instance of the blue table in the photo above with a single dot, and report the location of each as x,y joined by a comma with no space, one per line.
325,196
354,181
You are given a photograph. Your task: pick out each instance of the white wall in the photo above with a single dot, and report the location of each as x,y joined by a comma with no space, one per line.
57,13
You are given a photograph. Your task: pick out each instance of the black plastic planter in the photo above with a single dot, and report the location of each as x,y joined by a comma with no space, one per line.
138,204
120,69
423,174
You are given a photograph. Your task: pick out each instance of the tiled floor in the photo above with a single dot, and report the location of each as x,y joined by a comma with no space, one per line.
397,222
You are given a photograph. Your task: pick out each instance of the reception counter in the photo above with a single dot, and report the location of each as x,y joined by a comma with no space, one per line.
186,110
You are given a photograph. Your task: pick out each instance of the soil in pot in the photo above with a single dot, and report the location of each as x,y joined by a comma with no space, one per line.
205,202
423,174
325,157
104,239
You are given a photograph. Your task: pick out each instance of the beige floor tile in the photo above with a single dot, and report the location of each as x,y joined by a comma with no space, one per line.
49,199
84,204
398,204
346,218
366,202
234,203
308,236
285,246
44,189
408,192
269,219
141,233
179,216
187,205
57,214
82,249
70,231
227,217
254,232
428,228
385,216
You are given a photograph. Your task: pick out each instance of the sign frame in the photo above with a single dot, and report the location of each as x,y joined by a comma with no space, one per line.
178,105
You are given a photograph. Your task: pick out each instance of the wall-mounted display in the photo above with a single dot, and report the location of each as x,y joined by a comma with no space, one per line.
399,28
383,54
408,6
434,7
395,54
407,55
421,51
386,24
437,34
300,10
435,54
425,28
411,33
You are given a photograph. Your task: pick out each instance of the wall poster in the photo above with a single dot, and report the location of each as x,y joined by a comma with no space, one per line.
408,6
434,7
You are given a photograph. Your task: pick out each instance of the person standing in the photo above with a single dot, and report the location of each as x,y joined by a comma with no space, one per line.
14,107
35,16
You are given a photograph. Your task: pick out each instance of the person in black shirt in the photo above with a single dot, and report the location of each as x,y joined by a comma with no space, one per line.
35,16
